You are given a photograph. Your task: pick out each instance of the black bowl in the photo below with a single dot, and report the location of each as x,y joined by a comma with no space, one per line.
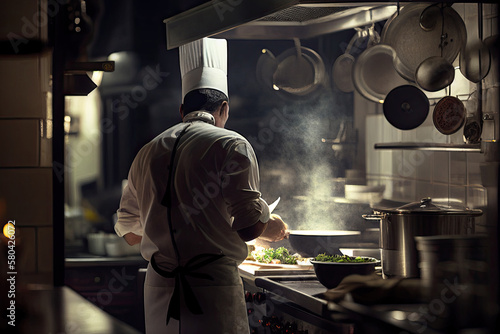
330,274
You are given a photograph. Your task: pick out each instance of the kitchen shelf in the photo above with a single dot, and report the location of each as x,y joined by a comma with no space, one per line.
430,147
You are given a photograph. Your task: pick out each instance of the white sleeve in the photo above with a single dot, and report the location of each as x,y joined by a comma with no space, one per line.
266,213
241,186
129,213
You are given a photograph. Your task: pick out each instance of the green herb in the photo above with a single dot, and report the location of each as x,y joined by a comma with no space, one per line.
342,258
267,255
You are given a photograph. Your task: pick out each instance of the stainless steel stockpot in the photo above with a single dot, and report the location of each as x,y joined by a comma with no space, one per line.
399,227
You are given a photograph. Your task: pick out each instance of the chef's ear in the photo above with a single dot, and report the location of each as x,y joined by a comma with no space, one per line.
224,109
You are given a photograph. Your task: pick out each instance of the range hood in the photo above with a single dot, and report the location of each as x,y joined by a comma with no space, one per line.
272,19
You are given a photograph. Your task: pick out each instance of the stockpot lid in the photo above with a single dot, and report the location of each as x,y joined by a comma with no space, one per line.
427,206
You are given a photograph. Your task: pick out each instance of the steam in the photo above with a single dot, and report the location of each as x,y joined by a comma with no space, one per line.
308,168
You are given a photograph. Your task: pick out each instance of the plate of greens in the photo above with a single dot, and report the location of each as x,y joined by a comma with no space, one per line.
277,257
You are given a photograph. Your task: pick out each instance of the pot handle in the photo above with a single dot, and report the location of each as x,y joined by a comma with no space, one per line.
372,217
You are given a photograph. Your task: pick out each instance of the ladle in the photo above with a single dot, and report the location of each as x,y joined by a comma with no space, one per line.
475,58
436,72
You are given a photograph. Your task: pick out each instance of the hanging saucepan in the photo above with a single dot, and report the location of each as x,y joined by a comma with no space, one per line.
374,75
411,40
300,71
266,66
342,68
473,127
448,115
406,107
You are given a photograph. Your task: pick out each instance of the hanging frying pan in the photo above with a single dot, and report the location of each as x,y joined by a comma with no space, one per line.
300,71
406,107
266,66
342,68
374,75
448,115
411,40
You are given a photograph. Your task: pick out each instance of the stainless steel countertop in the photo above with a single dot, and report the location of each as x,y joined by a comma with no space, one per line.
86,260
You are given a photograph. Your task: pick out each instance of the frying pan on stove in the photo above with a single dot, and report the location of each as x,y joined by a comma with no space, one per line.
310,243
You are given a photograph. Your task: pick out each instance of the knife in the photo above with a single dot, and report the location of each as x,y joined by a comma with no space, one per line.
273,205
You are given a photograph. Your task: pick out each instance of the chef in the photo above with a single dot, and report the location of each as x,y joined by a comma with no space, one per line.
192,200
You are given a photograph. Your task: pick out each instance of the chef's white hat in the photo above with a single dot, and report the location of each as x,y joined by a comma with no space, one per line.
204,65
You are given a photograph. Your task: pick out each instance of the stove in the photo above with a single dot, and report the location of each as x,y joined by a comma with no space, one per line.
291,304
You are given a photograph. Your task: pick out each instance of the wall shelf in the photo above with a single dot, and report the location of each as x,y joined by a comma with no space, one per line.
430,147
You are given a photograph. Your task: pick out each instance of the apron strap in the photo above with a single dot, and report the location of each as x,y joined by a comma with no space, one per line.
179,274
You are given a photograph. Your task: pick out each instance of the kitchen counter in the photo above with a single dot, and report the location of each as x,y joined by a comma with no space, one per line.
111,283
62,310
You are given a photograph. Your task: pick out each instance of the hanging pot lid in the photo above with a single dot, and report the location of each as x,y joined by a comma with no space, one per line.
414,43
428,206
406,107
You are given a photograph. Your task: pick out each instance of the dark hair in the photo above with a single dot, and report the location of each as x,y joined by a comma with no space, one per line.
203,99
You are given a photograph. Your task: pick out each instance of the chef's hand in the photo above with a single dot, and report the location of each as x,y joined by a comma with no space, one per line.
132,239
276,229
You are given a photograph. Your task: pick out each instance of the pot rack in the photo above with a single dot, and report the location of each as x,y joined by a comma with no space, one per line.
490,148
275,19
430,147
272,19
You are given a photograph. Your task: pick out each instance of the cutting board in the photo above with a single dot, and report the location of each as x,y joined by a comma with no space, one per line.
262,269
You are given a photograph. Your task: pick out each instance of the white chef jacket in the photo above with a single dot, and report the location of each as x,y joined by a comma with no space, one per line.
215,194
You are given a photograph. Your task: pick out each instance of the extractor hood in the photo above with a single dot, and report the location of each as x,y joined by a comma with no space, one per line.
272,19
